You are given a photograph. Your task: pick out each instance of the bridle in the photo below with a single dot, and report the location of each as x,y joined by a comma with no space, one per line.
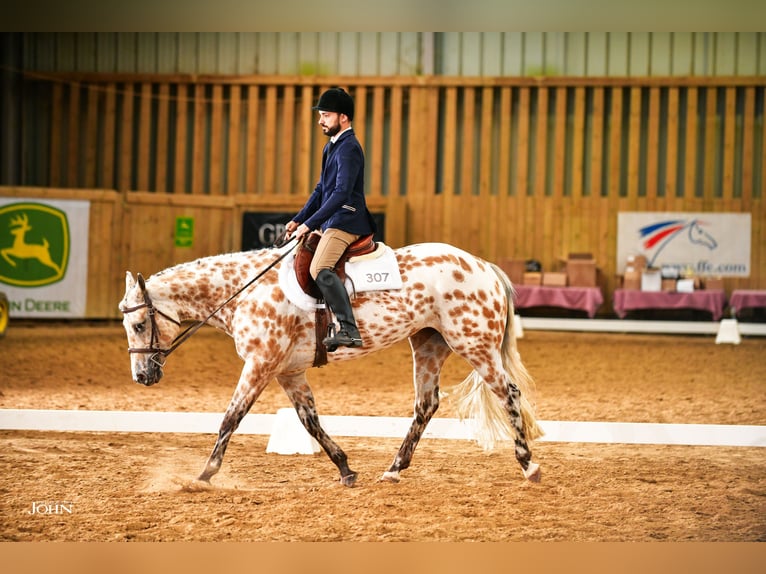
158,353
154,341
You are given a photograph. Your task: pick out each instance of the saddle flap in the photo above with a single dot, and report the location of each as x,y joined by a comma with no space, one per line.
307,249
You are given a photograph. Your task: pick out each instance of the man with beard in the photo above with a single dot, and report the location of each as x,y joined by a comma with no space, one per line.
337,210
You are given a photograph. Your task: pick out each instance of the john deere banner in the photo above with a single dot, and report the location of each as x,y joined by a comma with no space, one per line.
44,256
707,244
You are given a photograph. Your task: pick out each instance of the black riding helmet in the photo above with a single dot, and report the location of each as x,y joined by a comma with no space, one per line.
336,100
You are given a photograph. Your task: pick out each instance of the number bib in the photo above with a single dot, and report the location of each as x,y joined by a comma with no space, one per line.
375,271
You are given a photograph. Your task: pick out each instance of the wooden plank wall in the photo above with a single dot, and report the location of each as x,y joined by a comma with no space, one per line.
502,167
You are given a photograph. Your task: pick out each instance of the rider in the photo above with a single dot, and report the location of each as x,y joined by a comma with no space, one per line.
337,210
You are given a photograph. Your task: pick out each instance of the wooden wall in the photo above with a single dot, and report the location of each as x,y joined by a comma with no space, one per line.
502,167
372,54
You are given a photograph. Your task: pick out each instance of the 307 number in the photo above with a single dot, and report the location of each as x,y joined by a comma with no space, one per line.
377,277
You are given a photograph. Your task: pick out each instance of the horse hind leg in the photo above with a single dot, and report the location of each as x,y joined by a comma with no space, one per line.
523,454
300,395
429,351
476,398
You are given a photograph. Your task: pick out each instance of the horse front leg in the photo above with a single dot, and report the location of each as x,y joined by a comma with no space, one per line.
429,351
299,392
252,381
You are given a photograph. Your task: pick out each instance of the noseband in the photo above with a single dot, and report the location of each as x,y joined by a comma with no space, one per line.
154,342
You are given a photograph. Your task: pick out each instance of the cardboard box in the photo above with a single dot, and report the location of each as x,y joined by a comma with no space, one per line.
555,279
533,278
636,262
651,280
685,286
632,279
515,269
714,283
581,270
668,285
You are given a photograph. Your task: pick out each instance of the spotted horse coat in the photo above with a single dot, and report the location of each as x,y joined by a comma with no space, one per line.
450,302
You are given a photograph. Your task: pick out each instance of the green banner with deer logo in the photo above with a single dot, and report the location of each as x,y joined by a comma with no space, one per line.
44,256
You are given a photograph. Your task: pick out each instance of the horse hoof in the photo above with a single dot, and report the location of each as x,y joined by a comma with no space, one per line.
389,476
199,485
533,472
348,480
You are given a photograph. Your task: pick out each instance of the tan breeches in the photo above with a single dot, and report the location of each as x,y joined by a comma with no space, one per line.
331,246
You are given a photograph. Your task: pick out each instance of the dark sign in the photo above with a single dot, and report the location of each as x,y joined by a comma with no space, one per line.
260,229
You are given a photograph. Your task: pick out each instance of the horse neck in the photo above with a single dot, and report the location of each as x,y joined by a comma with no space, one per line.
186,294
196,289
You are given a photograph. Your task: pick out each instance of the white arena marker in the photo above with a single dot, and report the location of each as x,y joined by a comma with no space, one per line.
380,427
289,436
126,421
518,329
728,332
654,433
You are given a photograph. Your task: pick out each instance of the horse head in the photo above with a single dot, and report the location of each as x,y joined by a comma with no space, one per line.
700,236
150,331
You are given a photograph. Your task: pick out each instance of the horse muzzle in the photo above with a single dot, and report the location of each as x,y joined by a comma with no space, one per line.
151,372
148,380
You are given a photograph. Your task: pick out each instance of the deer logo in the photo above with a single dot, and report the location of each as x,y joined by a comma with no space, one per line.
34,246
23,250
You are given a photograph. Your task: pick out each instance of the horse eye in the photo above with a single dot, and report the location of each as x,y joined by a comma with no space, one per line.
139,327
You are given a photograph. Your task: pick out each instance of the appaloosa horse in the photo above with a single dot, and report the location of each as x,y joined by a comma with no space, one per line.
450,301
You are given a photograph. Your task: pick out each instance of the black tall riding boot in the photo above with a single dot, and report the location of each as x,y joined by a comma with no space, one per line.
336,297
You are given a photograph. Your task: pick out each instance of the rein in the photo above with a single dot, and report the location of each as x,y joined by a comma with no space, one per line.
194,327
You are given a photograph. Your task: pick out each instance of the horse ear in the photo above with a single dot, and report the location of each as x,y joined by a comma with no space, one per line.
129,281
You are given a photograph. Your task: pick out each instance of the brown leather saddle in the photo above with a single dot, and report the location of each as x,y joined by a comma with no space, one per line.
305,254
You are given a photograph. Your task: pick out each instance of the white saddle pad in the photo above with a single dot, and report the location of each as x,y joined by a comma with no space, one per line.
376,271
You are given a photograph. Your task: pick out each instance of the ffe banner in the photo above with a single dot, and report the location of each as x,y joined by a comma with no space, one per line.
709,244
44,256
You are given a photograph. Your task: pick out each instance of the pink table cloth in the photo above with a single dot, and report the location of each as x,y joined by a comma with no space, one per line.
587,299
747,299
713,301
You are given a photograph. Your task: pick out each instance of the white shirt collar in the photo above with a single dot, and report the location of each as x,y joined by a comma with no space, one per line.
334,138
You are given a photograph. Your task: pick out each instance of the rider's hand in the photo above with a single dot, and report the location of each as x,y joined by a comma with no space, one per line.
300,231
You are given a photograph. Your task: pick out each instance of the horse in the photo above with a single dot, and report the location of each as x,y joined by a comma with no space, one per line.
449,301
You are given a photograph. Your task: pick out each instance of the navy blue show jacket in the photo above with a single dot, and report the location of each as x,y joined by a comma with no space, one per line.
338,200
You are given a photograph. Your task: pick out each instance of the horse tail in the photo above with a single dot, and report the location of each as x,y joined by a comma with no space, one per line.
475,400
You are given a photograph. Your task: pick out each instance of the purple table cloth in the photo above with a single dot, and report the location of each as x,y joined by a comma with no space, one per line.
747,299
713,301
587,299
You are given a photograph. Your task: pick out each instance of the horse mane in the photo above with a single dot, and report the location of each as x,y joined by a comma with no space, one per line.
212,260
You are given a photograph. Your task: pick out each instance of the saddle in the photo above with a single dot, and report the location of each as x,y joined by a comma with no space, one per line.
305,254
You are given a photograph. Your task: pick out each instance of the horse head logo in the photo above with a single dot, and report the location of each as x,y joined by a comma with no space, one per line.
30,257
659,235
